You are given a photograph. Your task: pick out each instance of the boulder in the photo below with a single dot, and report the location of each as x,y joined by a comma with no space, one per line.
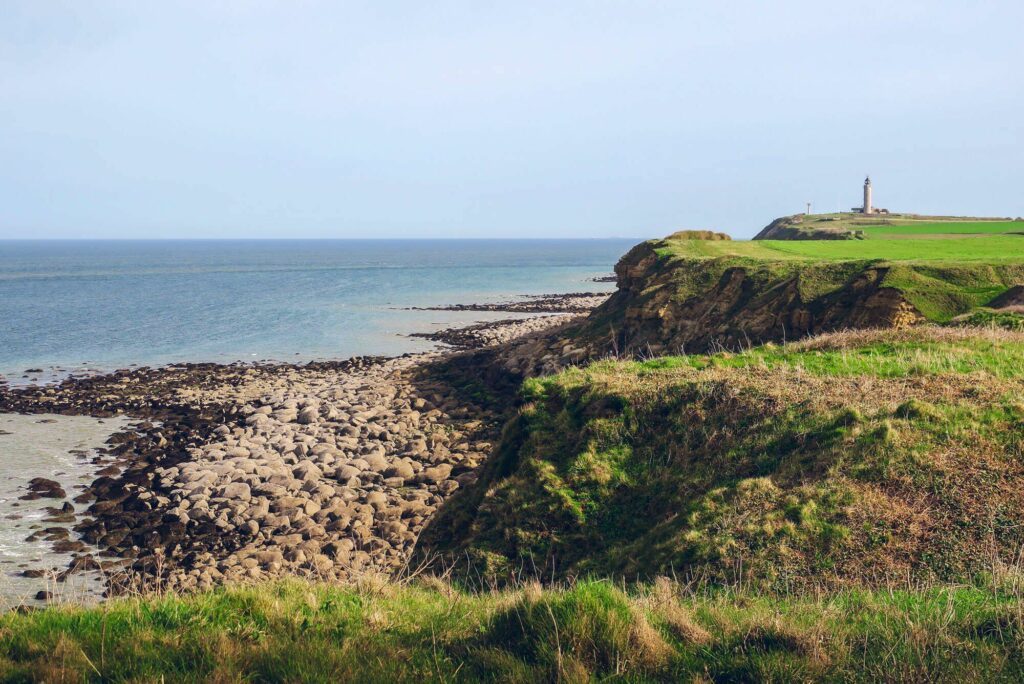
436,474
237,491
307,470
400,469
308,416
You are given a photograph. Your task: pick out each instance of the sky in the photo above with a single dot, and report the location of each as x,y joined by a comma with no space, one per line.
301,118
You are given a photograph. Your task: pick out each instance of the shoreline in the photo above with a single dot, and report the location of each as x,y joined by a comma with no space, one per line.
49,460
527,307
247,471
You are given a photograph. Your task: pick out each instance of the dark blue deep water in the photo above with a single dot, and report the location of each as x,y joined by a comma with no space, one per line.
108,304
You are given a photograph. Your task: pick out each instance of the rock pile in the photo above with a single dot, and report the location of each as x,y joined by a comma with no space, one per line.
324,474
43,488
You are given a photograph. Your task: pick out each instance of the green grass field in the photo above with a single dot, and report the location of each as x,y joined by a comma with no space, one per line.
909,227
993,248
851,225
888,358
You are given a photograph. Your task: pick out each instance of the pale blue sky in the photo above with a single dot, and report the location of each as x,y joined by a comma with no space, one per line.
303,118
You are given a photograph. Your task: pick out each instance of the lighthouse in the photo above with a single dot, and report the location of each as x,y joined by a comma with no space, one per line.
867,209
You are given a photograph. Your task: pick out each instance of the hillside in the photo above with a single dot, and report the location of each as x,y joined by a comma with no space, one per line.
851,226
870,458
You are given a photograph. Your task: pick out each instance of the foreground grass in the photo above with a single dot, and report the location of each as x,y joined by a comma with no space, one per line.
428,631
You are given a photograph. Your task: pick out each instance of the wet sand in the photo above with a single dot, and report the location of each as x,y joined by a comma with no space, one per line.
64,449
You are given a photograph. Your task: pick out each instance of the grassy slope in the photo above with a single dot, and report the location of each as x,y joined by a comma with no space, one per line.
379,632
856,458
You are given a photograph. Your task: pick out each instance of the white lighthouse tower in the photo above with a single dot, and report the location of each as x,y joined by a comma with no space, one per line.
867,209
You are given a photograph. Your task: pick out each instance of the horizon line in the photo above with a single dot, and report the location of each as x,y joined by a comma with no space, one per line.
309,239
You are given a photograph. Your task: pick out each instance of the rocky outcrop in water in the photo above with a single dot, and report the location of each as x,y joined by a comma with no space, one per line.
572,302
493,333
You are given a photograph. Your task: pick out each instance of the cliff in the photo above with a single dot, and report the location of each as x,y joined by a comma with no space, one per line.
689,296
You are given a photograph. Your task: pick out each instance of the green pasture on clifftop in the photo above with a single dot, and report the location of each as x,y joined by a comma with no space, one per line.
856,226
1001,248
899,228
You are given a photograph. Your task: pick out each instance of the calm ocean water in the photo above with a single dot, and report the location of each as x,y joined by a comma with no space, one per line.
109,304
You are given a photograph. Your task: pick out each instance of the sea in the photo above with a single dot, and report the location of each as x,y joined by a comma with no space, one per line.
70,306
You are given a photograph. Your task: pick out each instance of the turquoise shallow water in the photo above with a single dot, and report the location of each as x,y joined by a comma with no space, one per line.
108,304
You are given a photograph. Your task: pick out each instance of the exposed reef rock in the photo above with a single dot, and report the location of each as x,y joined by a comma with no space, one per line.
242,472
491,333
573,302
323,470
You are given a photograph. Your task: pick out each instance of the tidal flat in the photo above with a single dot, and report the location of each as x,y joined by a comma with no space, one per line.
66,450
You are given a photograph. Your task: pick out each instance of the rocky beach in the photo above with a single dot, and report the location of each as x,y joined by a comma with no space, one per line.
244,472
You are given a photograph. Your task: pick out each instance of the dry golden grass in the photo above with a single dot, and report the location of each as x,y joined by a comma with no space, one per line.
852,339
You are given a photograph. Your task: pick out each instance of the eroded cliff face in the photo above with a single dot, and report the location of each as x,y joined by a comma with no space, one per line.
673,307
